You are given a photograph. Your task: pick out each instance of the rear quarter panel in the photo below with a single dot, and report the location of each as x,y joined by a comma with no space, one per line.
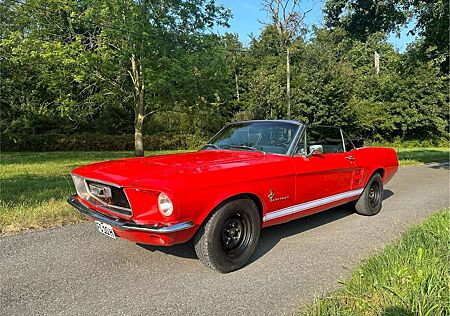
371,159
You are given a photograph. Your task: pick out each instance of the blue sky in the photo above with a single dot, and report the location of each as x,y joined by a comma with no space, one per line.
247,13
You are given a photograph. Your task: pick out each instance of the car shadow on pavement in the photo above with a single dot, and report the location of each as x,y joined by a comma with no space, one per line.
270,236
387,194
185,250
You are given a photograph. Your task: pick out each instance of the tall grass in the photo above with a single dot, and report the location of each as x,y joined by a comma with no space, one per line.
410,277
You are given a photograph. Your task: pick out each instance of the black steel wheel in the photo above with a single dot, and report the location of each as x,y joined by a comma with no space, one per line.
371,199
236,234
228,238
375,194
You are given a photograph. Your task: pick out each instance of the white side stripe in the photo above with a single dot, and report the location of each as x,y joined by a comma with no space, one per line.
308,205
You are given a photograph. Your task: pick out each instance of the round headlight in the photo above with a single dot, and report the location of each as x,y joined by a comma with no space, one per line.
165,204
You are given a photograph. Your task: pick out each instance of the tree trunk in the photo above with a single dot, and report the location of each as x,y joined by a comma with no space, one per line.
288,84
138,107
377,62
138,126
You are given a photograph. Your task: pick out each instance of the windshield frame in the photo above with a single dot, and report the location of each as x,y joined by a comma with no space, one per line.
292,145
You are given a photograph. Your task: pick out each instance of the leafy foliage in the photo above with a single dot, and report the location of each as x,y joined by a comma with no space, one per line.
433,27
361,18
73,67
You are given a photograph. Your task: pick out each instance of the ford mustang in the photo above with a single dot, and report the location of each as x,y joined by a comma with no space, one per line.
250,175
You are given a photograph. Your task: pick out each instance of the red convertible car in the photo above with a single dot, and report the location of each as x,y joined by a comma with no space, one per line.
250,175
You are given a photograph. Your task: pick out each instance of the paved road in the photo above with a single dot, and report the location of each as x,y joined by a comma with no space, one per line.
74,270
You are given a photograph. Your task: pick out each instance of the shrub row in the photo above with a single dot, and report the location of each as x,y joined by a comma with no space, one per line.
432,142
87,141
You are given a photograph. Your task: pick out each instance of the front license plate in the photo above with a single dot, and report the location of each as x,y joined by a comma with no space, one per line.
105,229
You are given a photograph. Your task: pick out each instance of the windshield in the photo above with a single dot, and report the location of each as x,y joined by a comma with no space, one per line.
270,137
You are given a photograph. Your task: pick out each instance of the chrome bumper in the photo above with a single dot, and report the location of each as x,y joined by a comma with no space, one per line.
83,209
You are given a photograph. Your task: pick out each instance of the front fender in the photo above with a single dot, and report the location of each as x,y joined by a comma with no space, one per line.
218,195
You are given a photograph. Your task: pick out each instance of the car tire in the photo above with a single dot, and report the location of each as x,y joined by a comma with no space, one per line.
371,199
228,238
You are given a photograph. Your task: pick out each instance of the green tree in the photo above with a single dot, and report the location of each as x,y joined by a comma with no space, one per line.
42,66
362,18
87,53
323,82
148,41
266,72
407,99
287,19
433,27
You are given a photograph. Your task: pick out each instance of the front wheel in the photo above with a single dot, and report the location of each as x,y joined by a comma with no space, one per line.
371,199
228,239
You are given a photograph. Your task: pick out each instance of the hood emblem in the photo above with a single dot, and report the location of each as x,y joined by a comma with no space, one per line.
272,197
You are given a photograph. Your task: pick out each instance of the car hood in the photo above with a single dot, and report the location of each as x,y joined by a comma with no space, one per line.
127,172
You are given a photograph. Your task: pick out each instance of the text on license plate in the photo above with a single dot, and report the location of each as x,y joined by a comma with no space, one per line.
105,229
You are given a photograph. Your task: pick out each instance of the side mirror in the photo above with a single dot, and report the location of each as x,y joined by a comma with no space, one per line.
315,150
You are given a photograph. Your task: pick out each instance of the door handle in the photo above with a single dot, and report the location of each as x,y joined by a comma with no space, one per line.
351,158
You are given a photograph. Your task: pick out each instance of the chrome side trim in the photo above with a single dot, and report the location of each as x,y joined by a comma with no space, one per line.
311,204
82,208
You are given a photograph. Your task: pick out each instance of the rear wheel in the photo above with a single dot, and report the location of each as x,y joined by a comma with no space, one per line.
371,199
228,239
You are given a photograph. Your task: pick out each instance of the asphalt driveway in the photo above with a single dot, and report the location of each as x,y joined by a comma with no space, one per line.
75,270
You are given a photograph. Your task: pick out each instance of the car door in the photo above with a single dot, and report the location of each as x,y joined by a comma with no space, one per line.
322,178
352,154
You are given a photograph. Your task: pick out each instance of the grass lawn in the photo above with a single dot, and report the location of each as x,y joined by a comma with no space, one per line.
34,186
410,277
419,155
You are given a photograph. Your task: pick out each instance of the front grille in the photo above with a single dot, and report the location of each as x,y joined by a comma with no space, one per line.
119,198
117,201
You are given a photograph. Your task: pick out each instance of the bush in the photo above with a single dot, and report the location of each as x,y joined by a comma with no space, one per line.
398,143
87,141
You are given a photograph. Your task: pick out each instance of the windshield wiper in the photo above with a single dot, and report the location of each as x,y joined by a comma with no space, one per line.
245,147
212,145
